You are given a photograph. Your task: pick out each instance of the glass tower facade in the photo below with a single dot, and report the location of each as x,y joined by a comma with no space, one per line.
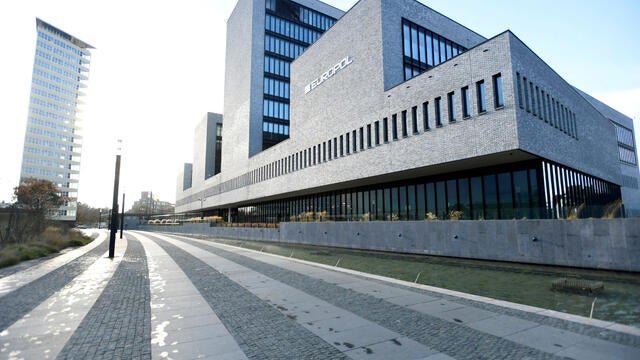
289,29
52,144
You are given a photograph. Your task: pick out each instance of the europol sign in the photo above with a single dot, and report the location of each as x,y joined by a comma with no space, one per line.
329,73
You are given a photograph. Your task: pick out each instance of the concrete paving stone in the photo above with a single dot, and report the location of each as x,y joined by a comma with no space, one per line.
398,349
204,332
411,299
376,290
547,338
466,315
333,325
503,325
436,307
440,356
361,336
596,349
192,322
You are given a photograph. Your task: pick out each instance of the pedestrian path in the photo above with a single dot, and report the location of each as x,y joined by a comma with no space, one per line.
173,297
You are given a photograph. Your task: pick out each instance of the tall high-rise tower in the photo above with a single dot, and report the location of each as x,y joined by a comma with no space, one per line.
52,143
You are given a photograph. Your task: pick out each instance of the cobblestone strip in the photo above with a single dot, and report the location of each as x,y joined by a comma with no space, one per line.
19,302
118,326
183,324
43,331
455,340
20,275
261,331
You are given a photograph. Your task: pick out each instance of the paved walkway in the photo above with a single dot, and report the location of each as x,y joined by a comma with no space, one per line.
173,297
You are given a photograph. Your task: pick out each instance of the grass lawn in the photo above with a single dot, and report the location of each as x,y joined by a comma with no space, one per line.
51,241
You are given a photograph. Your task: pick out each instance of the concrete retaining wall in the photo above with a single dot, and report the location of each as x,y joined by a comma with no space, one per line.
599,244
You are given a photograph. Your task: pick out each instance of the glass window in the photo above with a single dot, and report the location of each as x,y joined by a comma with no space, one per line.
441,200
414,43
506,196
438,109
436,50
431,199
429,49
346,138
369,135
422,47
361,131
490,197
394,204
377,132
464,203
404,204
452,195
354,141
404,123
420,202
482,102
394,126
451,98
521,194
414,119
477,198
497,91
466,103
406,35
425,115
387,204
385,130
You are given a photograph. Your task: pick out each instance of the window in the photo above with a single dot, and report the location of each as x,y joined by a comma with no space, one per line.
341,145
361,131
519,85
414,119
438,112
346,143
482,102
497,91
451,100
335,147
329,148
376,130
425,115
466,102
394,126
404,124
385,130
526,94
423,49
355,141
369,135
533,99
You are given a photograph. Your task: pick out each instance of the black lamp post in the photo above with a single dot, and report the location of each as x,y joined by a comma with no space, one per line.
122,217
114,209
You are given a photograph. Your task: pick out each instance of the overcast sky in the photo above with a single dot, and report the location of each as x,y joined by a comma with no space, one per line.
158,67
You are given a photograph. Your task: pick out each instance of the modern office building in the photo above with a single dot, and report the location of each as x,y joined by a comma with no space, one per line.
400,113
52,144
207,153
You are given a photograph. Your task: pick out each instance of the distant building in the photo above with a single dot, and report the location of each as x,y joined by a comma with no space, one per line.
150,205
397,112
52,142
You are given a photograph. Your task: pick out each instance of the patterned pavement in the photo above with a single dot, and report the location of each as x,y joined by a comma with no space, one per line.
173,297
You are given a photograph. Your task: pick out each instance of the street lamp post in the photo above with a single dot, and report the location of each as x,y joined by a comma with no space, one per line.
202,200
114,208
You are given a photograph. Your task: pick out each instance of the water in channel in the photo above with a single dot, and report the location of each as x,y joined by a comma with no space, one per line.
518,283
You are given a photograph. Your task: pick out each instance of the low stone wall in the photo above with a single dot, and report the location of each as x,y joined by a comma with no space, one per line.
598,244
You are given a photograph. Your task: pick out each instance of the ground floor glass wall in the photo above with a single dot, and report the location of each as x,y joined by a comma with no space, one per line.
528,190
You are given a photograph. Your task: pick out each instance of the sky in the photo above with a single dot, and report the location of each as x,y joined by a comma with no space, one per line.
158,68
